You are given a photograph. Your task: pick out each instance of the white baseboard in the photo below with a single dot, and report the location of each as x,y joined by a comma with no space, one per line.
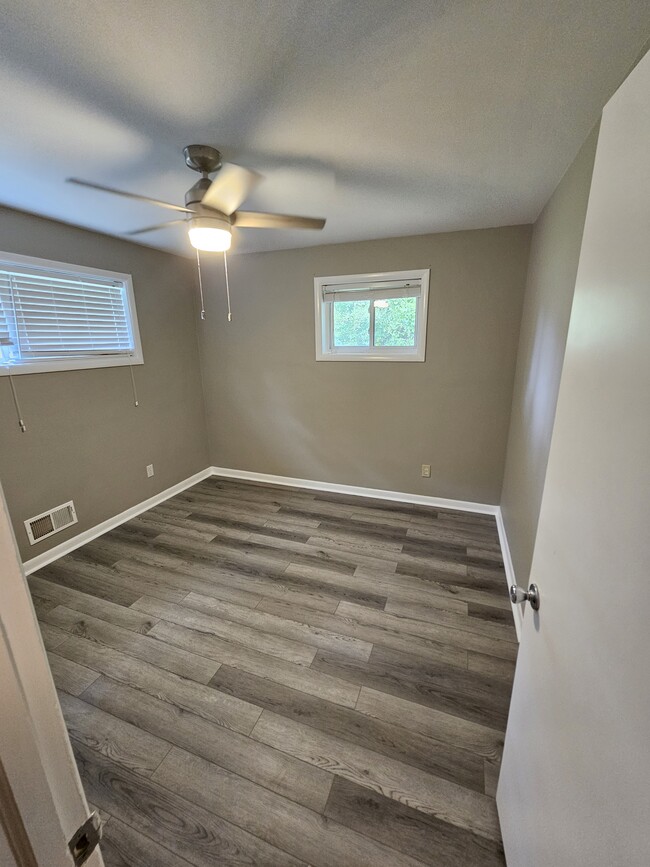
80,539
517,610
353,490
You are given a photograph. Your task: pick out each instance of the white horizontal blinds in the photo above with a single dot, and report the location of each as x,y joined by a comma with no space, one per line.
7,329
372,291
53,314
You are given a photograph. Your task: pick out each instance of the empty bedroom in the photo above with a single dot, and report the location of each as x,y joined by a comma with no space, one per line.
324,433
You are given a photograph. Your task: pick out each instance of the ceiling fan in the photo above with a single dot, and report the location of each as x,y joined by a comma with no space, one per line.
210,210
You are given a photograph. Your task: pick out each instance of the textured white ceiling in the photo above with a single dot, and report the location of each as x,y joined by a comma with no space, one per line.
387,117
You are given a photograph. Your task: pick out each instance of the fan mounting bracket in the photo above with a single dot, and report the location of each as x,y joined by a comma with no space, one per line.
202,158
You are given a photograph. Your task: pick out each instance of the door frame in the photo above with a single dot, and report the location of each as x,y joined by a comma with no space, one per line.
42,802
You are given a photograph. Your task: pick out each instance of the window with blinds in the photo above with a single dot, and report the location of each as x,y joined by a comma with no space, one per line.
372,317
61,317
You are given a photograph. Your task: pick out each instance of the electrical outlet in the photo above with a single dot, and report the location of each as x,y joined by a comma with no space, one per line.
149,470
426,471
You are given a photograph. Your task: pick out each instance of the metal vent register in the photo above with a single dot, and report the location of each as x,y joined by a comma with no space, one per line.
46,524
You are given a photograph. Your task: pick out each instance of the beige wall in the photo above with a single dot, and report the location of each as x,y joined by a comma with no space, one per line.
272,408
554,254
85,440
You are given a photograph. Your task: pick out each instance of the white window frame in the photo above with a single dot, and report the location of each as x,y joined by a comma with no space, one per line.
325,349
82,362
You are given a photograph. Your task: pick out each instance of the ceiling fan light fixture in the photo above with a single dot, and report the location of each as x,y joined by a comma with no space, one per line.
209,235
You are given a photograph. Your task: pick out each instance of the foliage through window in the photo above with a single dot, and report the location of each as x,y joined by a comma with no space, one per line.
64,317
371,317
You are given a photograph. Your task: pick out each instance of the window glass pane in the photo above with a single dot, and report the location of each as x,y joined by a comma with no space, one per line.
351,323
395,321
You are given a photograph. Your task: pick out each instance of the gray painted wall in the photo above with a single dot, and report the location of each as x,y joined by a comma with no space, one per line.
85,440
272,408
554,254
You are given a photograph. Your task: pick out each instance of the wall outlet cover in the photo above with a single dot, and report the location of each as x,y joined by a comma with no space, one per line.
426,471
149,470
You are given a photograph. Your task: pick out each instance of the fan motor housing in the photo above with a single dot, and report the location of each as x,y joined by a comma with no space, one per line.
194,196
217,218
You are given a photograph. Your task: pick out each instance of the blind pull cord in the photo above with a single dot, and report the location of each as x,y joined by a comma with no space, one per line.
21,423
136,402
225,268
198,265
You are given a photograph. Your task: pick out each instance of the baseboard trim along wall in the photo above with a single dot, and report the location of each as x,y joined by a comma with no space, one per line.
80,539
353,490
517,610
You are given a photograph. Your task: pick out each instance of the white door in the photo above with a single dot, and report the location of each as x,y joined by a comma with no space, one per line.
575,780
41,798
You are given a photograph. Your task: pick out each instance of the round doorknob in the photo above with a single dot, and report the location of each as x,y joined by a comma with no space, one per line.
518,594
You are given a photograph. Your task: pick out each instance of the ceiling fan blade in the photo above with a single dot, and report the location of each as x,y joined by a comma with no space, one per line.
153,228
254,220
232,185
139,198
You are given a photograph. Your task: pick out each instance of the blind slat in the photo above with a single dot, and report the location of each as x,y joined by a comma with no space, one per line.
34,326
69,299
370,293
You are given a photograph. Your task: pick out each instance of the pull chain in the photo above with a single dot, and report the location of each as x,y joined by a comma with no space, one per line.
136,402
225,268
198,265
21,423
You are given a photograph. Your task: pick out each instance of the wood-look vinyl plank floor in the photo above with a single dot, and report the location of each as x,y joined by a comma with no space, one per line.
215,586
122,846
53,637
160,813
84,603
421,836
430,722
70,676
310,635
262,675
299,677
264,642
454,636
478,612
251,759
430,794
438,685
128,745
89,580
181,692
165,656
290,827
442,759
228,583
472,620
41,605
372,634
97,579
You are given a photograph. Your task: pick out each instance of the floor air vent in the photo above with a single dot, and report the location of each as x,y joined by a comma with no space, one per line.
42,526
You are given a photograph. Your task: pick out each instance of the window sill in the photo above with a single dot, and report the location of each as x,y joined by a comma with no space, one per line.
69,364
363,357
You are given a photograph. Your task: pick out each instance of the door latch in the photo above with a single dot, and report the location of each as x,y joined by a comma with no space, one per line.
85,839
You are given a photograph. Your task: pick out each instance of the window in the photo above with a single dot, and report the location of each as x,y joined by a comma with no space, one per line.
64,317
372,317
